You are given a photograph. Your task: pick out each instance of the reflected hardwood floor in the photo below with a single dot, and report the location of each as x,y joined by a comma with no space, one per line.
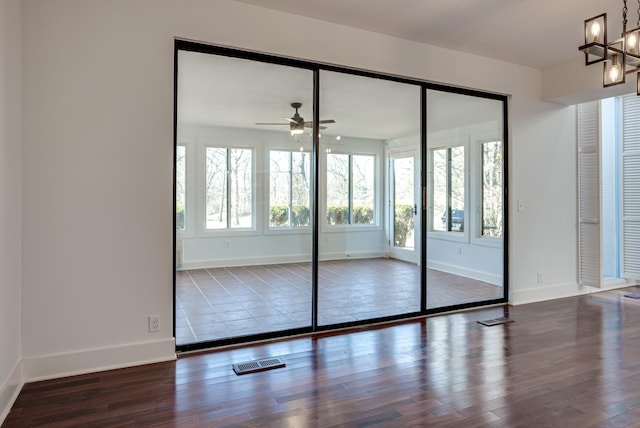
565,363
229,302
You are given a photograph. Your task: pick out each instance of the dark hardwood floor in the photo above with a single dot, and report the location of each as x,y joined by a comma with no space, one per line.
571,362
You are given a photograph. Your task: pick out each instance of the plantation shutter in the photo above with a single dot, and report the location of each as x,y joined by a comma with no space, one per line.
610,131
589,269
631,187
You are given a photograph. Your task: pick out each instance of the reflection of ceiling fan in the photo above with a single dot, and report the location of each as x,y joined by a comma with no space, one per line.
297,123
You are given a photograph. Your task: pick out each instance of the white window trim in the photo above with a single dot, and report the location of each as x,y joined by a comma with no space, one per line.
377,198
472,233
286,230
442,234
190,203
476,236
202,198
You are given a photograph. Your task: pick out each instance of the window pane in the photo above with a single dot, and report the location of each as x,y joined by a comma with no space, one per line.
279,171
363,189
181,169
492,189
337,189
403,202
240,188
216,188
439,213
457,189
300,188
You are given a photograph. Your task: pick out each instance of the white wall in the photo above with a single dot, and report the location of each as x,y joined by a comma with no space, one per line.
10,205
97,160
572,82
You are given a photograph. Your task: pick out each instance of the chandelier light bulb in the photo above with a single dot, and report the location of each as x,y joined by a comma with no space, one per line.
614,72
632,42
595,31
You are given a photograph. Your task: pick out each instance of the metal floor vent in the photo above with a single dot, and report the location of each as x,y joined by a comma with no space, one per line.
496,321
633,295
258,365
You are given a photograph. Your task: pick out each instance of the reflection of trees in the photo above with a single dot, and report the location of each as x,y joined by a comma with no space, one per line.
216,175
289,188
241,184
403,200
234,165
362,180
337,179
448,185
439,187
457,178
300,186
279,178
180,186
448,165
355,173
492,188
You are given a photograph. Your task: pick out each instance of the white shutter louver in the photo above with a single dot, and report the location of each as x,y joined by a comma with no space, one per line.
631,186
589,269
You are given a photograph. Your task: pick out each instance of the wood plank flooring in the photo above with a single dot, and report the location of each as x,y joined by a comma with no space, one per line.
571,362
220,303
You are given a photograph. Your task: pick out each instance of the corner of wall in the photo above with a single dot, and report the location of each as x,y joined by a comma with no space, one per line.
9,391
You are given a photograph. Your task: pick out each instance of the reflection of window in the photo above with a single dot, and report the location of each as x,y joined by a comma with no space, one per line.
229,193
492,189
448,189
350,189
181,169
289,188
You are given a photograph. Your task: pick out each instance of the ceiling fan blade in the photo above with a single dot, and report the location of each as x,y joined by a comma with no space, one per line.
290,120
269,123
310,123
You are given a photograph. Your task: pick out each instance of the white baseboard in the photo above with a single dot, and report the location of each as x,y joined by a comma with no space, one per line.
9,391
99,359
467,273
559,291
353,255
550,292
274,260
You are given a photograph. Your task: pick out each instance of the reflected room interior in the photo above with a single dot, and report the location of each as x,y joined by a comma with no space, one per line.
244,193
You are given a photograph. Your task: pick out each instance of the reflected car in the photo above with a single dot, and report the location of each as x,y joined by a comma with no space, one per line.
457,220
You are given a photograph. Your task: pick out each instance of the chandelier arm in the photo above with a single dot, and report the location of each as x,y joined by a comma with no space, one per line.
638,22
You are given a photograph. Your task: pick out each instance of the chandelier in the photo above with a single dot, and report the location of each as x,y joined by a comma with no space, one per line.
620,56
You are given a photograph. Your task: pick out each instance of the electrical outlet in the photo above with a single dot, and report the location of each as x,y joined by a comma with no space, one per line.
154,323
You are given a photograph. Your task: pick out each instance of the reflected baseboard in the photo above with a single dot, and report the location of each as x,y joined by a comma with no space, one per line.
465,272
274,260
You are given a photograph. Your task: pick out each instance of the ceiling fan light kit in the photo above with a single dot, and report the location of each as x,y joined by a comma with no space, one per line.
620,56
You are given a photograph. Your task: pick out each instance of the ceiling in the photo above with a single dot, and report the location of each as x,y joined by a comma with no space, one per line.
232,92
223,91
535,33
